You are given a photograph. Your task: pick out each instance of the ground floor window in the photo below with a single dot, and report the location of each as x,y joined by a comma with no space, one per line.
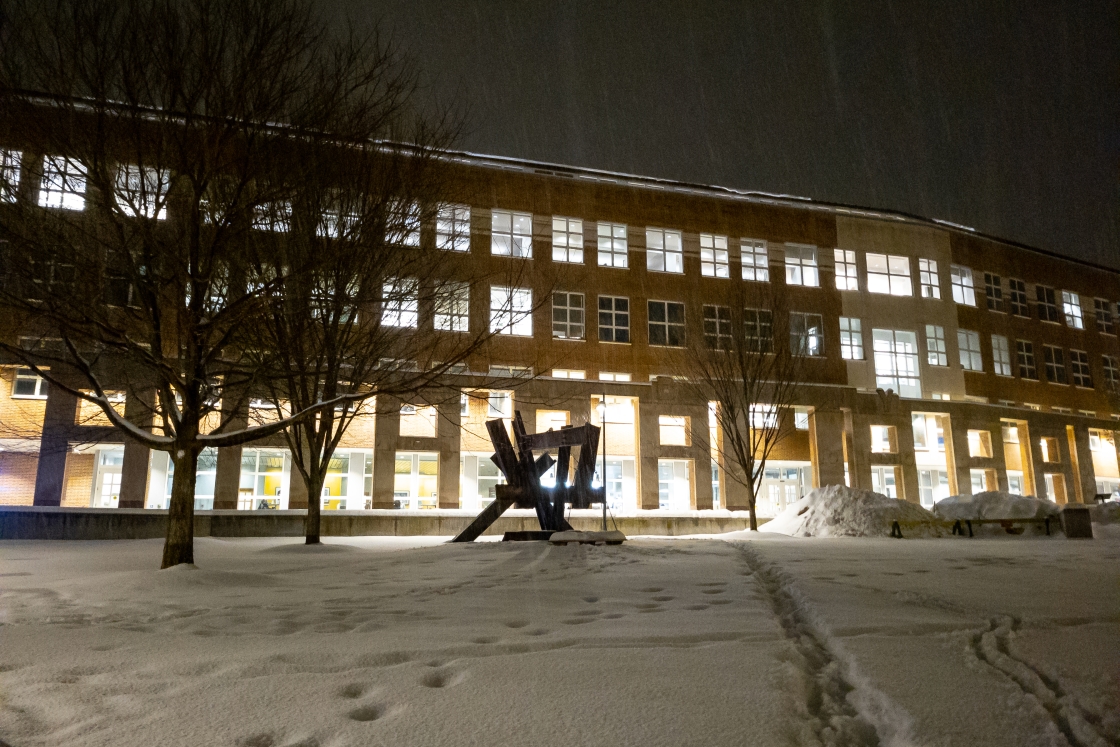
1055,487
107,478
933,485
884,480
782,484
416,480
263,479
674,484
1015,482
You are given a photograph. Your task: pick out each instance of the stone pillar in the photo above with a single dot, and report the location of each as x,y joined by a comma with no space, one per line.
701,459
227,477
448,434
648,450
386,431
138,406
859,464
961,459
54,444
904,432
999,458
826,447
1084,488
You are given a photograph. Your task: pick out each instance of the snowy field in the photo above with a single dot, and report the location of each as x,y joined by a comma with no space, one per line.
404,641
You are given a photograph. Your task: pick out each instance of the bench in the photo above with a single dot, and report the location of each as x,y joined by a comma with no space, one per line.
1005,523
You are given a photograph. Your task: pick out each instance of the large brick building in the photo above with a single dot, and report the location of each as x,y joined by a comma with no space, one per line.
1002,360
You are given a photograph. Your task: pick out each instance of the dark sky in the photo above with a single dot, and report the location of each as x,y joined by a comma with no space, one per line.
1001,115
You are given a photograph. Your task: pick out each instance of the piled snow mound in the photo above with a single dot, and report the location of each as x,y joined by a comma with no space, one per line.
998,505
1107,513
839,511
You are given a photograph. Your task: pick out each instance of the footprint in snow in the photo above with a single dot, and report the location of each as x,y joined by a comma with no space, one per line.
516,624
441,678
368,712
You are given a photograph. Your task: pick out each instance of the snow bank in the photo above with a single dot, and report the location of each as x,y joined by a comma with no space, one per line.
998,505
839,511
1107,513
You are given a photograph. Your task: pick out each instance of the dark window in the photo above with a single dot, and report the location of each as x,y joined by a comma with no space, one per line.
1103,311
614,319
1079,369
666,323
758,330
1055,364
993,289
1017,297
717,327
1024,352
806,334
1047,306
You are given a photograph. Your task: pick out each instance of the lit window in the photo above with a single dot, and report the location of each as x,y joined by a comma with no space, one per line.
511,371
401,304
963,290
801,418
756,260
29,384
666,323
511,310
63,185
1055,364
452,307
993,290
1071,307
614,319
980,444
275,215
404,223
714,261
612,245
339,219
1111,369
1047,306
896,361
884,439
567,240
673,430
1024,353
1017,297
806,334
847,277
1079,369
567,316
968,343
613,376
1102,309
928,278
142,192
663,251
1001,355
758,330
763,416
717,327
801,265
1049,448
9,174
851,339
511,234
936,354
889,273
499,405
568,373
453,228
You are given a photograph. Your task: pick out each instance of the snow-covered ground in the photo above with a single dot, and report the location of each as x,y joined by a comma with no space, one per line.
403,641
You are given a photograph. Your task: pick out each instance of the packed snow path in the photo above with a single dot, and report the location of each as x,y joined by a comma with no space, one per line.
386,641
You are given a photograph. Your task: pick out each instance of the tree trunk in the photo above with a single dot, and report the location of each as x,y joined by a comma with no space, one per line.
750,506
313,522
178,547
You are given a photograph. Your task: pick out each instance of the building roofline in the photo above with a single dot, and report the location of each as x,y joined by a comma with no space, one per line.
624,179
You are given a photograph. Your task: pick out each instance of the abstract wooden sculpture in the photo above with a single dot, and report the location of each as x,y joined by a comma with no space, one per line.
523,472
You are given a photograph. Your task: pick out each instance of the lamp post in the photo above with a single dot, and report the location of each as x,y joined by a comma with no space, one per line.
603,422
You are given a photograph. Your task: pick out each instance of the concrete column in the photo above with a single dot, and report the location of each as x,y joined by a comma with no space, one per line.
449,438
999,459
227,477
138,406
648,450
701,459
1084,488
859,464
961,459
826,447
386,431
904,431
54,444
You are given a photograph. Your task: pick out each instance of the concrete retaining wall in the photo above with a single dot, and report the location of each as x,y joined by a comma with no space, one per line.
40,522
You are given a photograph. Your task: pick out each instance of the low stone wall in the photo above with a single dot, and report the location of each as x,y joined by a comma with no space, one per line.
39,522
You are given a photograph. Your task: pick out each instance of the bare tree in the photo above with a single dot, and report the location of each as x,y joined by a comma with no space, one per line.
752,375
370,304
156,137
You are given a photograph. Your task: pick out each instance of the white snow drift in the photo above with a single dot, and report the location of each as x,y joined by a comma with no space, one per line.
999,505
840,511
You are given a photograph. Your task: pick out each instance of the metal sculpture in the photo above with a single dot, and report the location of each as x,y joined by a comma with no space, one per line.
523,472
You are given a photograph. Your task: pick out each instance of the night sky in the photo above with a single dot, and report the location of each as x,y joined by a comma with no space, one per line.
1003,116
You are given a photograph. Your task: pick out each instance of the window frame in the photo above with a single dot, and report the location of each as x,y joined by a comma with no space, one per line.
758,330
845,269
520,243
41,385
751,251
453,227
711,264
451,312
1018,304
929,279
1047,304
993,292
894,364
963,285
801,335
400,306
11,163
1102,311
666,324
804,270
1055,367
1072,312
937,350
509,317
1001,355
59,187
851,339
1081,375
1025,361
717,327
567,310
662,254
889,279
614,313
572,255
608,246
968,350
